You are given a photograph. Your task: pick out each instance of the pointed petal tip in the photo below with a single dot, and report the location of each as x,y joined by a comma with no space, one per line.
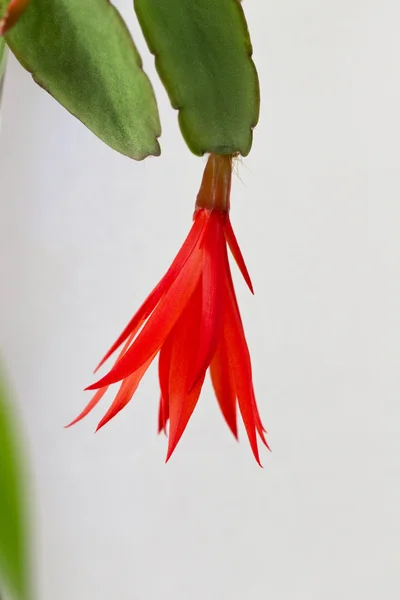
170,451
233,428
237,254
107,356
92,387
162,429
110,414
257,457
234,432
264,440
101,424
172,444
74,422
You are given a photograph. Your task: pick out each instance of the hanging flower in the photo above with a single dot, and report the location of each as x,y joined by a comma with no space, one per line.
191,320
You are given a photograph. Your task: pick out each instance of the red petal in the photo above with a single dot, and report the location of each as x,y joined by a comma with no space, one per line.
190,243
90,406
130,331
184,342
159,324
215,262
224,385
100,393
185,403
164,363
259,426
236,253
125,393
239,358
163,415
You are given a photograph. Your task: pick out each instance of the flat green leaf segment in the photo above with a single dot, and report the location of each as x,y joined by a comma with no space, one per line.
81,52
203,56
13,559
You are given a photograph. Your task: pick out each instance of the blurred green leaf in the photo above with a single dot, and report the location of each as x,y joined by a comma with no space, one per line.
13,550
81,52
203,56
2,58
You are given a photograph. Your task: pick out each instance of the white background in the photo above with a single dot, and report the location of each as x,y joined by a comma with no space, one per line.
86,233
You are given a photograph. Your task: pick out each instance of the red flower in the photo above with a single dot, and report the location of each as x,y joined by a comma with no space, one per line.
192,320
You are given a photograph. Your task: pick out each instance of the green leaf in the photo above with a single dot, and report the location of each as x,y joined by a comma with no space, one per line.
81,52
13,550
203,56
